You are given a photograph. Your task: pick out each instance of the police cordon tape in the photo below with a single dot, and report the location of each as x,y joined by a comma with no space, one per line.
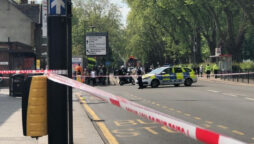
188,129
33,71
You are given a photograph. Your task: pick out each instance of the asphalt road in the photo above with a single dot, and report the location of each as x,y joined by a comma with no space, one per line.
224,108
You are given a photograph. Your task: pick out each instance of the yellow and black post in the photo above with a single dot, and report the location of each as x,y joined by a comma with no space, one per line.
34,107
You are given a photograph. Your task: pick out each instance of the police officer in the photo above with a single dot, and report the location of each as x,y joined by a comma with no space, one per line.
215,70
208,70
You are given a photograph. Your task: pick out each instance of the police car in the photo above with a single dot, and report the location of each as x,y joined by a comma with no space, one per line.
169,76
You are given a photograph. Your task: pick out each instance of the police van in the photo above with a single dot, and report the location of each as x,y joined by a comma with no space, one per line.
169,76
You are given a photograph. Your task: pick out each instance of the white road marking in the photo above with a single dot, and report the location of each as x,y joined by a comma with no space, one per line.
213,91
252,99
229,94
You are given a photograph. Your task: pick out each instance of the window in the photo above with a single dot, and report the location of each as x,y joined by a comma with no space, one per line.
178,70
187,69
168,70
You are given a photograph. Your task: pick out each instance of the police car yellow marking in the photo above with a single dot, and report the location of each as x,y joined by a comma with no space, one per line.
238,132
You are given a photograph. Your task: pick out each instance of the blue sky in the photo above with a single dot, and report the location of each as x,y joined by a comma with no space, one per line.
123,8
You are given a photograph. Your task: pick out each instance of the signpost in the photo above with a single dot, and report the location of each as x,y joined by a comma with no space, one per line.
96,44
59,58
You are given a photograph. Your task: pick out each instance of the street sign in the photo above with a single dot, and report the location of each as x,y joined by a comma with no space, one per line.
44,18
96,44
57,7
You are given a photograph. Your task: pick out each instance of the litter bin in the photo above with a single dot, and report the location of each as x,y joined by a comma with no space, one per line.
17,85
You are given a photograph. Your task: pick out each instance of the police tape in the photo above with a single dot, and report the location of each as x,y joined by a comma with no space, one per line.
33,71
188,129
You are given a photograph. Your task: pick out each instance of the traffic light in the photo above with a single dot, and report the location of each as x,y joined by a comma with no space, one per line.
34,107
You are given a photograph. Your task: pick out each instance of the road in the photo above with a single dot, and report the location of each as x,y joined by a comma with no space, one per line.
224,108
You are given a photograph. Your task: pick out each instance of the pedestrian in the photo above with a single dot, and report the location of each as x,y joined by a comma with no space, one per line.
139,73
93,76
215,70
208,71
79,71
201,70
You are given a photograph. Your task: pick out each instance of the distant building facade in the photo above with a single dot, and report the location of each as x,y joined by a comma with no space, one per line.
20,35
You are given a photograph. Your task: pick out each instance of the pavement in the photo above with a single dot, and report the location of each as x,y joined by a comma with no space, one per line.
11,123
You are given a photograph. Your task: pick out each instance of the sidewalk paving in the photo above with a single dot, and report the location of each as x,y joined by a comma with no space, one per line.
11,123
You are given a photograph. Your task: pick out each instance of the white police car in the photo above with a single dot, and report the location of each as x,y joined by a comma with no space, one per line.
169,76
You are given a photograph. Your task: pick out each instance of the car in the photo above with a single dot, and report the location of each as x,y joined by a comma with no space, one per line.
169,76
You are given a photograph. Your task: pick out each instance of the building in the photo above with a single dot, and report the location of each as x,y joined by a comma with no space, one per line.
20,35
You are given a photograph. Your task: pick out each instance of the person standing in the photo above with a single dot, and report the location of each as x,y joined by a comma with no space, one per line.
208,71
201,70
93,76
215,70
139,73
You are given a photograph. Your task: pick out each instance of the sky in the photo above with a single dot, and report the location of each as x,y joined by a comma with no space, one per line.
123,8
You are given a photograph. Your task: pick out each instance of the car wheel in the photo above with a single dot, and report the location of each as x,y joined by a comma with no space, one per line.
188,82
176,85
155,83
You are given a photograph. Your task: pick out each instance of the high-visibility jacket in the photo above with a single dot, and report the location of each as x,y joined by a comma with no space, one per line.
78,70
215,67
207,68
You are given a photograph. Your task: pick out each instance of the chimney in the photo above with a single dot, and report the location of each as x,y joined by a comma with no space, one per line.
24,2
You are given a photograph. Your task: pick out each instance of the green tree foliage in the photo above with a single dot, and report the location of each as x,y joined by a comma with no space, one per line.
182,31
105,17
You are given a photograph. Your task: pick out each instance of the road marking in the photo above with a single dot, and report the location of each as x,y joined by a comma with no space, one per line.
125,133
179,111
172,109
150,130
207,125
237,132
250,99
229,94
154,103
186,114
197,118
107,134
158,104
167,129
142,122
165,107
213,91
222,126
209,122
252,138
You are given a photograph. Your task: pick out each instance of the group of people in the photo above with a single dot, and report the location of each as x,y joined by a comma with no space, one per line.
94,76
207,69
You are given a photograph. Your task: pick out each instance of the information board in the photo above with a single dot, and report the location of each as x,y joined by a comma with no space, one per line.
96,44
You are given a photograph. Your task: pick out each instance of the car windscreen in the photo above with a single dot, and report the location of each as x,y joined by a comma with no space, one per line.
158,70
